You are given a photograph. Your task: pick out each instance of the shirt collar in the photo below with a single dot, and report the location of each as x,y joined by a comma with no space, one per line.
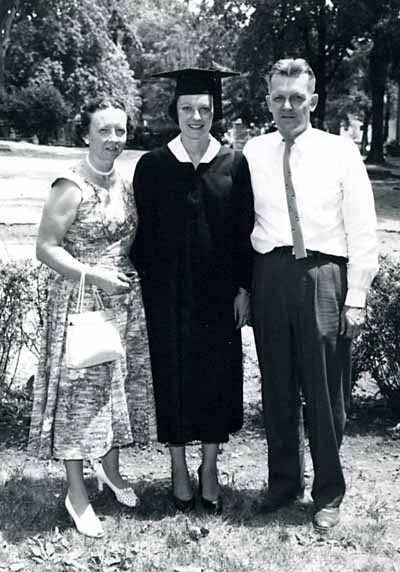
303,135
176,147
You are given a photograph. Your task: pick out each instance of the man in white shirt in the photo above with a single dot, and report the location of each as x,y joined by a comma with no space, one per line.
316,255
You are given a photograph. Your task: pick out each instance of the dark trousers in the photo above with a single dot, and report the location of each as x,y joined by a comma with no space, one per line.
296,309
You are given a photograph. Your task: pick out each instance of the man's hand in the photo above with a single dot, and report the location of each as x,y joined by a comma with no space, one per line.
241,308
352,321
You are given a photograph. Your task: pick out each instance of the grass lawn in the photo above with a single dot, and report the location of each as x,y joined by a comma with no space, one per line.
36,535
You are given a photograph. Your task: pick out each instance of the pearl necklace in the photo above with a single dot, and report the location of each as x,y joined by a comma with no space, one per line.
97,171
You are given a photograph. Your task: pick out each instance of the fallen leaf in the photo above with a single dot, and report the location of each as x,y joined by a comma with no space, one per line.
17,566
74,564
194,532
188,569
36,551
113,562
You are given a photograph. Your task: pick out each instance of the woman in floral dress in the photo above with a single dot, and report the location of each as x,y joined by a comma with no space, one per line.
88,224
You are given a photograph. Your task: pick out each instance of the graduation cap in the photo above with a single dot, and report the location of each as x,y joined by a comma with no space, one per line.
191,81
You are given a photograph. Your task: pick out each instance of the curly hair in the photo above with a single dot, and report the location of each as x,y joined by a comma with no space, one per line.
84,117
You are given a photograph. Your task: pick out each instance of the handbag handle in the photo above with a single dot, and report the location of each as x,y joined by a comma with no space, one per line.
97,297
81,295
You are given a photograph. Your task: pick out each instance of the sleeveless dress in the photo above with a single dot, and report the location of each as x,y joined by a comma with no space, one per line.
82,414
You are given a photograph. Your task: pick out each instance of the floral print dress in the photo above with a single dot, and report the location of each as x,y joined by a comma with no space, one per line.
82,414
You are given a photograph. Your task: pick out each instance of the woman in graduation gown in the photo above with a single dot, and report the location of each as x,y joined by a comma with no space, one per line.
193,255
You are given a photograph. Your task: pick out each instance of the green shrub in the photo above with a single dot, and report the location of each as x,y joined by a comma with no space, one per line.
22,297
377,349
36,110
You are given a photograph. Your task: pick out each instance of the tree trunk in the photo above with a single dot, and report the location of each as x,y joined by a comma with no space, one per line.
2,82
365,126
8,9
319,120
378,66
321,61
388,105
398,114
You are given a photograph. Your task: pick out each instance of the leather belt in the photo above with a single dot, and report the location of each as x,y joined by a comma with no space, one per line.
315,254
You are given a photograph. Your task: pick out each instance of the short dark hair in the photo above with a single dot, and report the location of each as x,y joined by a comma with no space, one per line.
291,67
172,110
102,101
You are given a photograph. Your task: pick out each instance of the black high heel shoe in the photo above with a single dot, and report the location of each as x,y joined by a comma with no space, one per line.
181,504
212,506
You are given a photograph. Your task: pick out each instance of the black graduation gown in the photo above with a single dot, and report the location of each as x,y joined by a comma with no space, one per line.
192,252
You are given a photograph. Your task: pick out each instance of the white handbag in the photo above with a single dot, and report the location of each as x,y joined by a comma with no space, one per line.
92,337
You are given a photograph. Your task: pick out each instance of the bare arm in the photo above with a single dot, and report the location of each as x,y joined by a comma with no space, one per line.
58,214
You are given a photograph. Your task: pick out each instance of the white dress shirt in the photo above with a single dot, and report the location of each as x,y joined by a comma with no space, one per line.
334,199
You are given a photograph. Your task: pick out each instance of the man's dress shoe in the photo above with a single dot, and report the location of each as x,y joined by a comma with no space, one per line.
272,502
326,518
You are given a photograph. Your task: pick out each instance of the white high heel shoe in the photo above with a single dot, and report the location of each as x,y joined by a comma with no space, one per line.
125,496
88,523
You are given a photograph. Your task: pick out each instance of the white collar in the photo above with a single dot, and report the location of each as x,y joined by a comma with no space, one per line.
176,147
303,135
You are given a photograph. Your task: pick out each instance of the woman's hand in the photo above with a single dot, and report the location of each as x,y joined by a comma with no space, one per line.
111,281
241,308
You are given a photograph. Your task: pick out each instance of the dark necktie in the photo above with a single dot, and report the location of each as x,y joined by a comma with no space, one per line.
298,241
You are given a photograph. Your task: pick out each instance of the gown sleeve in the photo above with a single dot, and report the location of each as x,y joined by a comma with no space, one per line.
244,212
144,186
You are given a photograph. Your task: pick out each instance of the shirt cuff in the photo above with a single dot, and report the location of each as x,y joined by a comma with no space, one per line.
356,297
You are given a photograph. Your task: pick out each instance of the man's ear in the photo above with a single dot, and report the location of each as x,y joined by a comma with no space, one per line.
314,101
268,98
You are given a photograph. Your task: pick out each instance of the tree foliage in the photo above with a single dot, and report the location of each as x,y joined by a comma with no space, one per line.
37,110
382,27
8,9
161,35
78,48
328,34
349,95
69,46
319,31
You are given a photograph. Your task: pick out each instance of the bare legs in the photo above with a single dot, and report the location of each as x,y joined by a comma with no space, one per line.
77,502
110,463
76,486
180,476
